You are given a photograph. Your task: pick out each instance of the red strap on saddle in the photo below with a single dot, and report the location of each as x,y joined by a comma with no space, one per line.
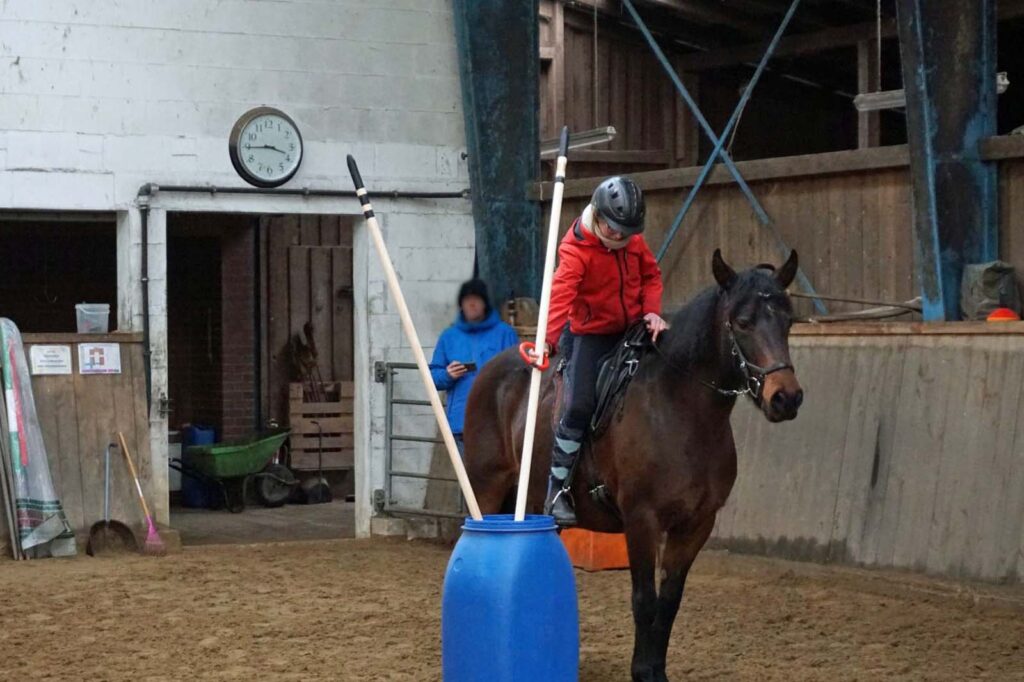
528,351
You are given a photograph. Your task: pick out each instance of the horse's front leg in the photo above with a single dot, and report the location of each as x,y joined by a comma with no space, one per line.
642,539
681,548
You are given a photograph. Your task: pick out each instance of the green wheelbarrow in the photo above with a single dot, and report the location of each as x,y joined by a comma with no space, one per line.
237,464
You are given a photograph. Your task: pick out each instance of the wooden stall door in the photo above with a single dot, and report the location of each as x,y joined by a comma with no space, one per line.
306,277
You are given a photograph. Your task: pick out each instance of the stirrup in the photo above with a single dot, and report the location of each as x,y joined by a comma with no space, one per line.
566,507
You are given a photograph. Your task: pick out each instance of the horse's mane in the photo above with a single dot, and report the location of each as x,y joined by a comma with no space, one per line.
690,337
692,326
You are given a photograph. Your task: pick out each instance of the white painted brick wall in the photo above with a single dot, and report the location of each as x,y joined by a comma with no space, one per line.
98,98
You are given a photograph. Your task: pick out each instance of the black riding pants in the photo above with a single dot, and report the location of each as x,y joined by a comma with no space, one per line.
579,399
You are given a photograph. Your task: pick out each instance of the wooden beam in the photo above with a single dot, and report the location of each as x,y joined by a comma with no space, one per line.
547,54
909,329
998,148
1002,147
654,157
830,163
557,76
868,122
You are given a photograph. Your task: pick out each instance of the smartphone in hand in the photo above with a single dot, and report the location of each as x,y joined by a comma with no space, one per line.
470,366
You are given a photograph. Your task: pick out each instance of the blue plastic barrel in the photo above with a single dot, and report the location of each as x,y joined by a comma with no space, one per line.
195,493
508,613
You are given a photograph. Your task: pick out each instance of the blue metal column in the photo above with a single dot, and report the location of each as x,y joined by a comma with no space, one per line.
948,49
498,67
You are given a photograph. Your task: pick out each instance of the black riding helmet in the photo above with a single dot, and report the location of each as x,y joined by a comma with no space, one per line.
620,202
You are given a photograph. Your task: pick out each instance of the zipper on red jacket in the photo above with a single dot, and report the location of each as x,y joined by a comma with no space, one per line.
622,291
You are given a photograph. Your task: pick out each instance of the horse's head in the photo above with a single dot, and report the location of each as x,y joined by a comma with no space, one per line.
756,314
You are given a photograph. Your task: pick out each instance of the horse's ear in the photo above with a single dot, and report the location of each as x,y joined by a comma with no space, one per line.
724,275
787,272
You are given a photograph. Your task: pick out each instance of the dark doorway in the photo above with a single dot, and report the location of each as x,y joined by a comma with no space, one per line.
48,265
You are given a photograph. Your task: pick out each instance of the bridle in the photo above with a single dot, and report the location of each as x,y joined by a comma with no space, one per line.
754,376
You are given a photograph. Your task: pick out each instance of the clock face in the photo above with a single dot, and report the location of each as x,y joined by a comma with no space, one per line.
266,147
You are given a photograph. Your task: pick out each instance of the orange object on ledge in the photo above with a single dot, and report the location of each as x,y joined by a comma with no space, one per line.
595,551
1003,315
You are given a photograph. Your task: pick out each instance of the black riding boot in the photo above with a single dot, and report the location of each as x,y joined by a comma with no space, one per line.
559,500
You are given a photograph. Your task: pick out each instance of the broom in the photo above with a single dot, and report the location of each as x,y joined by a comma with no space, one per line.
154,545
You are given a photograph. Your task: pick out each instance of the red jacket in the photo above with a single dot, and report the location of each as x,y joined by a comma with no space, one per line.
600,291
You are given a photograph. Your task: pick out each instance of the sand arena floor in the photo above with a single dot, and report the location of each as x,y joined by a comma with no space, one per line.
369,610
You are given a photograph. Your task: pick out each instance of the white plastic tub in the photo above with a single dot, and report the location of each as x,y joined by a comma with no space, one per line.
93,318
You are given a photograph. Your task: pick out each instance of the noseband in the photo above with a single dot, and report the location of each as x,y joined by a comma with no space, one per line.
754,376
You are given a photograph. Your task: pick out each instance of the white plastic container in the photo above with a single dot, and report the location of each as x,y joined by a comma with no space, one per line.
93,318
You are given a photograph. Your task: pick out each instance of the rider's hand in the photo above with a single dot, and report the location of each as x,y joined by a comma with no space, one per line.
456,370
655,325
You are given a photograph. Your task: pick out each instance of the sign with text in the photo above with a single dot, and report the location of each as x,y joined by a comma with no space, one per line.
50,359
99,358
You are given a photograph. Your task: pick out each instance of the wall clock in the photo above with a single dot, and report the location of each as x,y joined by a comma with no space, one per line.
265,147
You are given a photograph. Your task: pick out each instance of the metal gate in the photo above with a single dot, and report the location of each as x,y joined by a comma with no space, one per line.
389,505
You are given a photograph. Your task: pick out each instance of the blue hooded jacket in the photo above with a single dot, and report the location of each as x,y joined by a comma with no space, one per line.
467,342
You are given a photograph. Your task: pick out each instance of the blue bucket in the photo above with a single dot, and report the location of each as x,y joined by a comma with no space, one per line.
197,494
509,612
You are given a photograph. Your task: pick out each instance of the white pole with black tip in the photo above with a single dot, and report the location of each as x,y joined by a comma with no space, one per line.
537,358
414,341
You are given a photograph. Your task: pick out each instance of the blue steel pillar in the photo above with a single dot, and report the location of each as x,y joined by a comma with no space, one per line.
949,72
498,67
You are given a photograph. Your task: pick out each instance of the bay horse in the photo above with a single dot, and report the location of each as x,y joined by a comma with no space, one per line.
668,458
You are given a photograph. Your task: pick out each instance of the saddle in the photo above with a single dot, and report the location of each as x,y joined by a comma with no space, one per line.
617,370
616,373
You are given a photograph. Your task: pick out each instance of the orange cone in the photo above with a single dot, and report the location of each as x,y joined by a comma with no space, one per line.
595,551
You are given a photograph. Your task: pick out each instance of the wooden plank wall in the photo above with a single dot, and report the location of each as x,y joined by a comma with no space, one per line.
633,93
308,278
79,415
907,453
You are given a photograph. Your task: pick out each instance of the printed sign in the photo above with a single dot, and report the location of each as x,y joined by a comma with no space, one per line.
50,359
99,358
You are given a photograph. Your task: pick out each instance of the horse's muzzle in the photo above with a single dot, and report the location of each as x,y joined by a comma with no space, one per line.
783,397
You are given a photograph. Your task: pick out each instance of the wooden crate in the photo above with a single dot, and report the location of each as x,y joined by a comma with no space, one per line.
334,416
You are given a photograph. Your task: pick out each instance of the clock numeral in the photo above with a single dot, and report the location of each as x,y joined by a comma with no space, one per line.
251,158
291,146
288,158
281,165
287,133
252,137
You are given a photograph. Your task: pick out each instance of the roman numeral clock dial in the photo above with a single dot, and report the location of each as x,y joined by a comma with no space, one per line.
265,147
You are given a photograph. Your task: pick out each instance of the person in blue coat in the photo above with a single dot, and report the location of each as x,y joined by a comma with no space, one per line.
465,347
